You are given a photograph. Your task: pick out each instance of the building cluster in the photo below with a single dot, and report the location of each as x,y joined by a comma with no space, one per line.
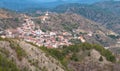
29,33
50,39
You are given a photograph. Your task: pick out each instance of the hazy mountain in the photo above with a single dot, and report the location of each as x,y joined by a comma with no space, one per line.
20,5
113,6
106,17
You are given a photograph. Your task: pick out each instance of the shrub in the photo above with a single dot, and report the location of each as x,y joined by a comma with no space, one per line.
20,52
7,65
101,58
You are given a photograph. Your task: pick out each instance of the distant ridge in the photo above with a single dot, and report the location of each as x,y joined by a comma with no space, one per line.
20,5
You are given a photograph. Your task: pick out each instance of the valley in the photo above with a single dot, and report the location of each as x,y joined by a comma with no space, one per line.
66,36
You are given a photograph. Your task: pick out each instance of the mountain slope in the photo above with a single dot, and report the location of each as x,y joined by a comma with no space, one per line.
97,14
7,64
27,57
113,6
9,19
5,13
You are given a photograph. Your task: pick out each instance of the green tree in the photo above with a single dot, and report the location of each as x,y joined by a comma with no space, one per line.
101,58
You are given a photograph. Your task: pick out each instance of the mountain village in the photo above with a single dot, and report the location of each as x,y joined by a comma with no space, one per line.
50,39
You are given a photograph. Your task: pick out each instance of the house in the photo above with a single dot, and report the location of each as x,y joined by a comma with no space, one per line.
52,33
82,39
90,34
2,36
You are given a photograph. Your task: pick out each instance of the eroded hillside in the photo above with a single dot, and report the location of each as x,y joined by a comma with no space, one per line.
27,57
24,56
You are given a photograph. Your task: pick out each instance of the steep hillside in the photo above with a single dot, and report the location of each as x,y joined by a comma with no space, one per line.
9,19
4,14
5,64
10,23
102,16
83,57
26,57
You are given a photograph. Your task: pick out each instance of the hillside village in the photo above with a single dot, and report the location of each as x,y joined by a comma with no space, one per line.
66,37
51,39
30,33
